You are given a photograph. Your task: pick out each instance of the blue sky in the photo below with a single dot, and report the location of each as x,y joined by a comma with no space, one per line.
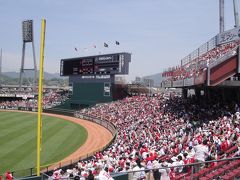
158,33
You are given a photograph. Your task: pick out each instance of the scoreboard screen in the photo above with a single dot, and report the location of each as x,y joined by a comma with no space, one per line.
95,65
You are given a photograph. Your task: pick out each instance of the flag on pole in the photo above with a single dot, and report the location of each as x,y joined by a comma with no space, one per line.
117,43
105,45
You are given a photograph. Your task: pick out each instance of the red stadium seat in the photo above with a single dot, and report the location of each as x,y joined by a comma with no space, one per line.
204,178
182,176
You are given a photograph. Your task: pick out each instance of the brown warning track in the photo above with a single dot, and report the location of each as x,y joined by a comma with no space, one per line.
98,137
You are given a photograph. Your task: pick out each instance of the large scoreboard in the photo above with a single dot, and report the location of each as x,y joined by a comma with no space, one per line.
107,64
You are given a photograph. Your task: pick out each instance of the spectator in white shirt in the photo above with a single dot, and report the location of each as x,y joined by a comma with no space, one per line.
201,153
102,174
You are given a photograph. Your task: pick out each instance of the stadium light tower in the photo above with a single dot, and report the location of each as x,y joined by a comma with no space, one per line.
27,32
221,15
236,16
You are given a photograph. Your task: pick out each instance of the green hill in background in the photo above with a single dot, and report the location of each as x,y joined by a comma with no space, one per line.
50,79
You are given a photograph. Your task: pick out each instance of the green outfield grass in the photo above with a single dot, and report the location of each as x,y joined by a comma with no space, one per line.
18,140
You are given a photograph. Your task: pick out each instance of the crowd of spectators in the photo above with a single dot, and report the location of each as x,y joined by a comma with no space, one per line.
54,97
51,98
159,131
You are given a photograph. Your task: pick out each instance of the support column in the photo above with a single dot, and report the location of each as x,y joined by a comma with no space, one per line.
198,93
236,16
22,65
184,93
221,16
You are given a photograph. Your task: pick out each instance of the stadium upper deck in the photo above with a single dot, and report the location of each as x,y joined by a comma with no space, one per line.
210,64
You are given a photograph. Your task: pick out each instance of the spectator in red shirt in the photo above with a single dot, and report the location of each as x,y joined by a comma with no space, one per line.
224,145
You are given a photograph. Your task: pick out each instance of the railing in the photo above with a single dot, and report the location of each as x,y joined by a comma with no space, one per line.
211,44
192,175
108,125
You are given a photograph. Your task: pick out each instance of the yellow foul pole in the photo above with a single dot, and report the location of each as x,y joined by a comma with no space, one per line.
40,92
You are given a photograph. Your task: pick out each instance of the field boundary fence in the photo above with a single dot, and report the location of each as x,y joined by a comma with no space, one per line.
148,173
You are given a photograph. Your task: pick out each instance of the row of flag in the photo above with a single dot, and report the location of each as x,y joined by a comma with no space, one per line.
104,44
